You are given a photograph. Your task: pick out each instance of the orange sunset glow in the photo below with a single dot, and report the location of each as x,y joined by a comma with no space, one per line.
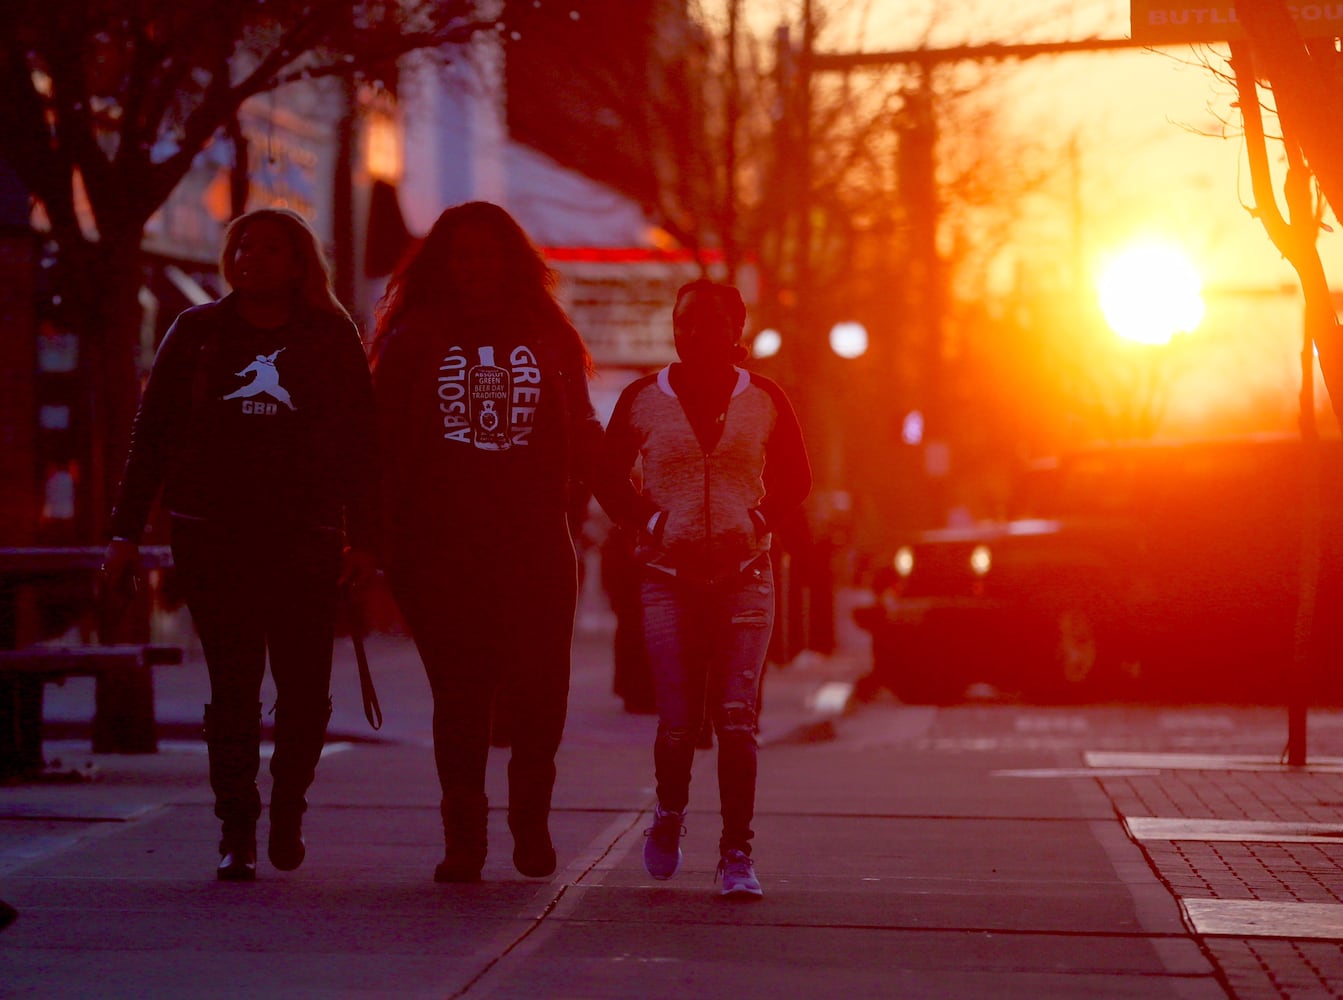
1149,293
1117,207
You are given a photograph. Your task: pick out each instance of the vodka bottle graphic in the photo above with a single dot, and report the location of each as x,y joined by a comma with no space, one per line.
488,387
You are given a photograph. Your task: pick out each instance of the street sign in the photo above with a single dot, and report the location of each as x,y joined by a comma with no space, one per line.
1159,22
622,307
621,299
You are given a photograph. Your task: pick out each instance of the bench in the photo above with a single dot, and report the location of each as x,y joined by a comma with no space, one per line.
123,720
124,691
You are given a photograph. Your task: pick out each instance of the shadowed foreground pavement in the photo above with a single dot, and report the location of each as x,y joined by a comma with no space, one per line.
891,867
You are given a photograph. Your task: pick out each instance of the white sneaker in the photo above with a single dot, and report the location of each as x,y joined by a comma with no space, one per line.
662,846
736,871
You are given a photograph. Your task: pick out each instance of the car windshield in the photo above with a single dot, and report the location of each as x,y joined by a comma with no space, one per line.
1075,486
1160,479
1078,485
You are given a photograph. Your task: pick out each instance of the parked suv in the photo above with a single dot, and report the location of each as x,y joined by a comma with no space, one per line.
1165,566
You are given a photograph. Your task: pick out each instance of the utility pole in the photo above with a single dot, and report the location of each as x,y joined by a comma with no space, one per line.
731,249
922,197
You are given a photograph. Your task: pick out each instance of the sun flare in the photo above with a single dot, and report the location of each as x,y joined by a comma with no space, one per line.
1151,292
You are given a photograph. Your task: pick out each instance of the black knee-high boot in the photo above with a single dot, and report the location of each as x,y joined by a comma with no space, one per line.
233,739
465,836
529,791
300,733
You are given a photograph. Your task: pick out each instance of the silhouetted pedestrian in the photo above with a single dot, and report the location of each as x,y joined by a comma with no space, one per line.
722,462
486,428
257,422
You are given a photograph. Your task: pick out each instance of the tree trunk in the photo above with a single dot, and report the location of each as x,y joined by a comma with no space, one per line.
1296,236
342,200
104,291
1307,101
19,501
1309,109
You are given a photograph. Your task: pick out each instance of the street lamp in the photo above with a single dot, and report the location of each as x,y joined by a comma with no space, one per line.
766,344
848,339
382,147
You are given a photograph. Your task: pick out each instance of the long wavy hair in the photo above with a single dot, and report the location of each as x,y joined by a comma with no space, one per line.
315,274
422,288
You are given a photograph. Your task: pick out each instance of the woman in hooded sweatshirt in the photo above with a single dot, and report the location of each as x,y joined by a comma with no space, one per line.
257,423
487,429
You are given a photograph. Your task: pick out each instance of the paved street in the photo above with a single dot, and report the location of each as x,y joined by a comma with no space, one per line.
983,850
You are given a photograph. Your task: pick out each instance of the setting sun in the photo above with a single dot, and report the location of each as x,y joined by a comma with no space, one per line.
1151,292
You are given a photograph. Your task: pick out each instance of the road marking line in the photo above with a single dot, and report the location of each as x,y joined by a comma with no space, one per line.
1234,830
1183,721
1256,918
831,698
1076,772
1207,762
1051,724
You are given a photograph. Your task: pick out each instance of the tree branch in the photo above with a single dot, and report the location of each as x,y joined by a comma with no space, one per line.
1308,106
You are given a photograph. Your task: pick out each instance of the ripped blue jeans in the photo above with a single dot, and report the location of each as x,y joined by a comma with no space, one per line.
706,645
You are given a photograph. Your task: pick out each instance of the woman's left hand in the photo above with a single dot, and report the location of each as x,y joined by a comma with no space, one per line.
357,566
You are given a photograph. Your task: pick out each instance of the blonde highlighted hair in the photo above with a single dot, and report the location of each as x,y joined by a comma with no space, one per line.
314,286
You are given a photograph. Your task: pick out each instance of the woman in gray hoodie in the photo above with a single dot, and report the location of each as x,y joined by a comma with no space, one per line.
722,463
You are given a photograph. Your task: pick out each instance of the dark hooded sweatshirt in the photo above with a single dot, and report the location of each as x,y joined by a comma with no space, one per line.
255,428
485,433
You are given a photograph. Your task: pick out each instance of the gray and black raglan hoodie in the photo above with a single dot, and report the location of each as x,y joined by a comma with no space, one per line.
714,477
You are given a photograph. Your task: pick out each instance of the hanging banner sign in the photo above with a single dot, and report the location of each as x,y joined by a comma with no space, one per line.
622,298
1165,21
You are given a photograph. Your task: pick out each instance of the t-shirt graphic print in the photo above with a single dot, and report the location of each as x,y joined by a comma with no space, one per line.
487,406
265,381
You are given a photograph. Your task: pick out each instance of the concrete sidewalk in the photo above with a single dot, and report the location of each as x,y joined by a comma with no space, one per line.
1253,851
889,870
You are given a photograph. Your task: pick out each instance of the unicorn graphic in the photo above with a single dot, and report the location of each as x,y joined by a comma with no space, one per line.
265,378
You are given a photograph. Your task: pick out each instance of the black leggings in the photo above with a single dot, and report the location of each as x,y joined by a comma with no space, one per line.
494,630
253,591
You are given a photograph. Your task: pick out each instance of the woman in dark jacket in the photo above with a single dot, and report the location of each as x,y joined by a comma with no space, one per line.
487,429
257,423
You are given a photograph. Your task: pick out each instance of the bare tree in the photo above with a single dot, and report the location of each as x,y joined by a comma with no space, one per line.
106,103
1304,78
1306,83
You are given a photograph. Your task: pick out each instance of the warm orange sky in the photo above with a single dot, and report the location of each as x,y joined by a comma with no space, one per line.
1152,160
1147,124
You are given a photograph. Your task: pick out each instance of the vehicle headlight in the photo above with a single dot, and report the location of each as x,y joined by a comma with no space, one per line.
981,560
904,560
